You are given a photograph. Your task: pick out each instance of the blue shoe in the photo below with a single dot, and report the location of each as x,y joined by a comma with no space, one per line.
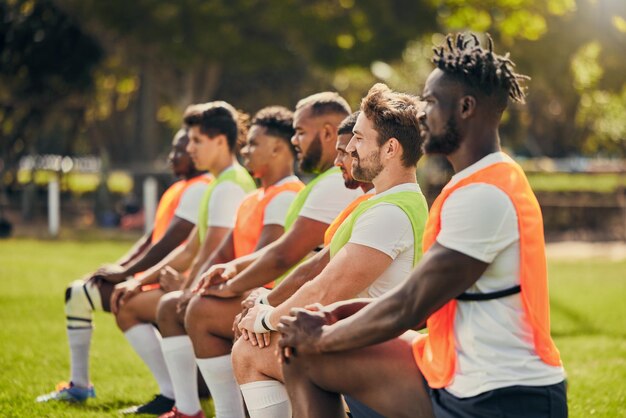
69,393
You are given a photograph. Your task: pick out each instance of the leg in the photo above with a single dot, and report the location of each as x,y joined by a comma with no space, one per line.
384,377
209,323
81,299
260,377
136,319
178,354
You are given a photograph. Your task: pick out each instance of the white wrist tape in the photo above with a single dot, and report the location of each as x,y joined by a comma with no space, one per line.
262,324
262,300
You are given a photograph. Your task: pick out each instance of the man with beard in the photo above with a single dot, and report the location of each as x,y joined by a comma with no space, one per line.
481,287
175,218
372,251
315,121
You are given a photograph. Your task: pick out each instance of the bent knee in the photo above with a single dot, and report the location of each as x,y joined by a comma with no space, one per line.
243,356
166,307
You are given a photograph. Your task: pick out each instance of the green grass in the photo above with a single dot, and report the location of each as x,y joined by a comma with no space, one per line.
576,182
588,312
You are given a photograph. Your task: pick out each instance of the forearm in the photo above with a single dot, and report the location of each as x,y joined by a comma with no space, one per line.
180,259
154,255
136,250
298,277
270,266
372,324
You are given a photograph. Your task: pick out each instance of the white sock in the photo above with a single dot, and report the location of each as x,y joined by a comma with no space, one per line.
219,377
146,341
79,340
181,364
267,399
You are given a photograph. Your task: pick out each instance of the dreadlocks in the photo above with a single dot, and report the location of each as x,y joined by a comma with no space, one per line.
464,59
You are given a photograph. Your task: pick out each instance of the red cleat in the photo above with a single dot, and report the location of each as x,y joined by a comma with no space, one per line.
175,413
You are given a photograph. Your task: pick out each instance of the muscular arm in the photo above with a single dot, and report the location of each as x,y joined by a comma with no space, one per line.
226,250
180,259
136,250
298,277
442,275
177,231
342,279
214,237
281,255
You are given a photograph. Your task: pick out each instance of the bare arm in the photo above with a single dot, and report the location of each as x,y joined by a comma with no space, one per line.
214,237
342,279
281,255
180,259
136,250
177,231
442,275
297,278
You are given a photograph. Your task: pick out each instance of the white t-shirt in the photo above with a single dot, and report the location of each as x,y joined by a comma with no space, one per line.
328,198
189,203
276,209
494,344
225,199
387,228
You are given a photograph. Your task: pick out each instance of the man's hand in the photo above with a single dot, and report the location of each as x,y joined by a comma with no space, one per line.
183,301
250,327
170,279
301,333
217,274
111,273
123,292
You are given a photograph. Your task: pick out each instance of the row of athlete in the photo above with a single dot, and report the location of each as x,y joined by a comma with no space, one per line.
336,266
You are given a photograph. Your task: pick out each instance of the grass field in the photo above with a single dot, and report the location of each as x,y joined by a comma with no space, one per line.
588,310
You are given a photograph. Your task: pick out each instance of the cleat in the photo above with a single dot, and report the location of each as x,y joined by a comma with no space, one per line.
69,393
175,413
158,405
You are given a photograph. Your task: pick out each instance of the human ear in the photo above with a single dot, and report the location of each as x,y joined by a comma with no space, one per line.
467,106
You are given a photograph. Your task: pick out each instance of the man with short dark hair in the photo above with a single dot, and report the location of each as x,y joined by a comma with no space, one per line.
175,218
481,288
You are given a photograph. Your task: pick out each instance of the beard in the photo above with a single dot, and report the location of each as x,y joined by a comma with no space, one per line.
366,174
445,143
310,161
351,183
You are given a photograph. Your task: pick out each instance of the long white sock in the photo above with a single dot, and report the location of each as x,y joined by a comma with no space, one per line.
266,399
219,377
146,341
80,341
181,364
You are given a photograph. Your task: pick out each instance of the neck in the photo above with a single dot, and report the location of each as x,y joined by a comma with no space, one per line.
325,166
192,174
389,178
473,148
366,187
222,164
275,175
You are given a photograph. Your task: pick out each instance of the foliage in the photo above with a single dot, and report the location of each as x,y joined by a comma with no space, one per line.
587,318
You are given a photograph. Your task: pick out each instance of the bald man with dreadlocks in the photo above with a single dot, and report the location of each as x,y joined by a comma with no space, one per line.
480,288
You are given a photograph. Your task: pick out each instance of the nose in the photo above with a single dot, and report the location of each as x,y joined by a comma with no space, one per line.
294,141
338,160
421,116
244,150
189,147
351,147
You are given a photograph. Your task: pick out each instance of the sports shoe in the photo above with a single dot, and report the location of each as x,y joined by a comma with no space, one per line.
175,413
69,393
158,405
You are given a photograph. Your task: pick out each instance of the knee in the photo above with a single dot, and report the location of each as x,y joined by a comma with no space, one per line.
81,299
166,309
243,356
194,315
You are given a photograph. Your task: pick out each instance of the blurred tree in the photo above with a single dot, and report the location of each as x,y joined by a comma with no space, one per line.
46,64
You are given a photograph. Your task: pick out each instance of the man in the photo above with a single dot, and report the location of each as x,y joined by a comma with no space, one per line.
315,121
214,130
481,287
175,218
372,251
314,265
